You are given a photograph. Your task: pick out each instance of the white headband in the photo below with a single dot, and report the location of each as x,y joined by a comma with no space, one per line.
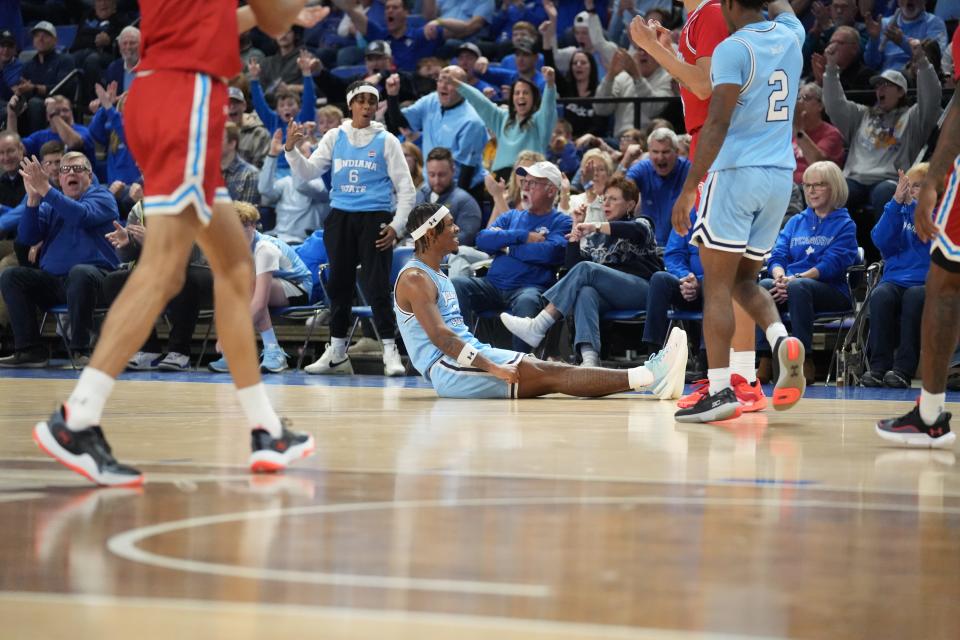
364,88
431,222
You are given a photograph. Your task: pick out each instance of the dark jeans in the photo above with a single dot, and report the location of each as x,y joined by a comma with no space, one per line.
894,338
478,294
664,295
26,290
350,240
805,298
874,196
182,310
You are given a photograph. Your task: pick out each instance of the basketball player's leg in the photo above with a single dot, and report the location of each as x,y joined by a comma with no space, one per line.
67,435
225,247
222,241
939,325
662,374
927,424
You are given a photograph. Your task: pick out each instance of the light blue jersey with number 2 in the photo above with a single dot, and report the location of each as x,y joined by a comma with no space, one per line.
765,59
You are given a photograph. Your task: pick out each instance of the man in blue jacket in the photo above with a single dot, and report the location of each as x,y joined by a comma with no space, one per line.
75,257
660,179
528,245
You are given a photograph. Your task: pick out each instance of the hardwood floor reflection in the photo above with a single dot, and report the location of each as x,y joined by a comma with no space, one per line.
423,518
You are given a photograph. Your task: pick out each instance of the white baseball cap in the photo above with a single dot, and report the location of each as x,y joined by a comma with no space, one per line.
543,169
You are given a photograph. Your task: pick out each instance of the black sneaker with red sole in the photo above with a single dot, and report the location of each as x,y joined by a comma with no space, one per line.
910,429
270,454
86,451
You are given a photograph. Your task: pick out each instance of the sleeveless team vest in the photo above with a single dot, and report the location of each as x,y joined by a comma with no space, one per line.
359,177
423,353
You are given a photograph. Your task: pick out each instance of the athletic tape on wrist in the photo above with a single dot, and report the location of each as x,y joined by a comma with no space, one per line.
467,355
430,223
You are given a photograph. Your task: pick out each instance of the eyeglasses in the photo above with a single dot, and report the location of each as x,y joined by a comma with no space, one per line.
529,183
814,186
72,168
808,98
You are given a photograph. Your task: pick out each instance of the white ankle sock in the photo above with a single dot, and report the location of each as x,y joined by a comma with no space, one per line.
588,355
744,364
85,405
639,378
774,332
339,346
256,406
719,379
931,406
542,322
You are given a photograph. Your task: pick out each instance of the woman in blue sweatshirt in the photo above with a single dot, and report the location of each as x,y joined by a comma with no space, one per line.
896,305
610,265
809,262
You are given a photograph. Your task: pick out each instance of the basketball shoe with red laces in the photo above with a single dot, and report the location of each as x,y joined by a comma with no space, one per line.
911,430
750,395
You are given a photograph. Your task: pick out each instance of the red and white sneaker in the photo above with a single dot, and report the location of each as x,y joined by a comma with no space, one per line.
701,389
750,395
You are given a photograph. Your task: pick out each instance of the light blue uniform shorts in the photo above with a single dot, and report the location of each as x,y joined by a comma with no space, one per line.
741,210
451,380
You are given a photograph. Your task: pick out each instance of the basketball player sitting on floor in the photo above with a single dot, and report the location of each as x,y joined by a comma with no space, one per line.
460,366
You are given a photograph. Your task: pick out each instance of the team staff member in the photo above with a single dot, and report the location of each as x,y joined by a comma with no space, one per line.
370,181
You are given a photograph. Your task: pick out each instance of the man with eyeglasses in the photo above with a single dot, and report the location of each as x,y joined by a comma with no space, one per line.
843,49
528,246
75,258
62,127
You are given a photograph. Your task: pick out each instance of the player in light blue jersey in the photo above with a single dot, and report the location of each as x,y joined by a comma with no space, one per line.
746,145
460,366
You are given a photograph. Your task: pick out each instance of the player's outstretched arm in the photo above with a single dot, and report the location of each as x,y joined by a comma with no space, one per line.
417,292
714,131
777,7
273,17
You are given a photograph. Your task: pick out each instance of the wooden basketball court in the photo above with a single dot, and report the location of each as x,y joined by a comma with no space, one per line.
423,518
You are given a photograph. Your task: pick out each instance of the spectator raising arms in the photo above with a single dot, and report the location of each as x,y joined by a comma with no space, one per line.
883,137
526,126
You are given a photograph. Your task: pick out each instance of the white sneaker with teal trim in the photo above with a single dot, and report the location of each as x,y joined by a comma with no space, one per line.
669,366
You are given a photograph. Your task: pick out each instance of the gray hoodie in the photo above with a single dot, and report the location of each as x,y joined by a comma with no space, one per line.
880,143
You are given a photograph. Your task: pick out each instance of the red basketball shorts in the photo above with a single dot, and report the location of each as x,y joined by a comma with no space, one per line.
948,218
173,122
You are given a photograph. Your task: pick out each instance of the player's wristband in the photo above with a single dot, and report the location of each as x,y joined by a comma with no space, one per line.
467,355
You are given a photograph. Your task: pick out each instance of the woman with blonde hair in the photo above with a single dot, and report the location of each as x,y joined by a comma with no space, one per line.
415,161
896,305
808,265
596,170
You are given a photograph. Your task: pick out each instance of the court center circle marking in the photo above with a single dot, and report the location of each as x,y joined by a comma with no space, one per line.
125,544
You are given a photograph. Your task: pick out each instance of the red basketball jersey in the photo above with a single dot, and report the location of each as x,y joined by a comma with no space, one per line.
190,35
956,55
704,30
